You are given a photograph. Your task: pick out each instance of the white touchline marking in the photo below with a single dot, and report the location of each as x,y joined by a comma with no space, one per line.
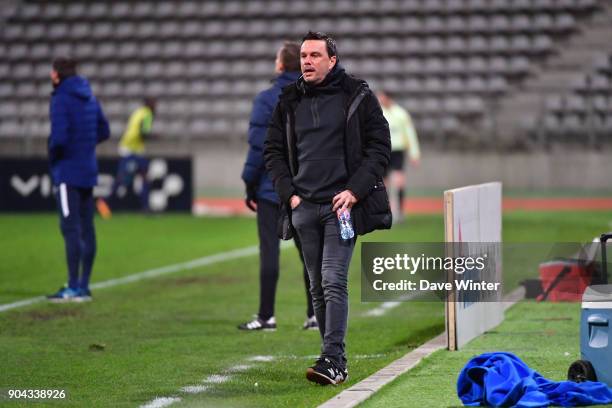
382,309
239,368
264,359
217,379
195,389
161,402
386,306
21,303
153,273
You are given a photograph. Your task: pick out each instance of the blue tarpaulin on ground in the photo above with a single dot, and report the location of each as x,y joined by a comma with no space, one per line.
503,380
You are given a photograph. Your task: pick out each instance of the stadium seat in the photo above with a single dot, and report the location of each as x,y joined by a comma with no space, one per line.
22,71
455,85
175,69
478,45
26,90
188,9
455,65
80,30
156,88
101,31
57,31
500,23
40,52
519,65
75,11
477,65
126,30
456,45
542,44
177,88
521,23
120,11
109,70
11,129
497,85
98,10
153,70
127,50
8,111
144,31
112,89
132,70
13,32
499,44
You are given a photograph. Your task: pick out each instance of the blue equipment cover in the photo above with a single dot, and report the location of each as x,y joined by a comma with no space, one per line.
503,380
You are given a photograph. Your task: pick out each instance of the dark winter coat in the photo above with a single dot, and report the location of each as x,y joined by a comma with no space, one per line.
77,126
254,171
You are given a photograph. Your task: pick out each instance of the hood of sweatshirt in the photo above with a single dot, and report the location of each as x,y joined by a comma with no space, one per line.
75,86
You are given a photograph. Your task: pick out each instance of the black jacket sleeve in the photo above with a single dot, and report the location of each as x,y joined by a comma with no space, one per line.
276,156
376,147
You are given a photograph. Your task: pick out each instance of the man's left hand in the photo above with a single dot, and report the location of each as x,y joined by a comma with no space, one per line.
344,199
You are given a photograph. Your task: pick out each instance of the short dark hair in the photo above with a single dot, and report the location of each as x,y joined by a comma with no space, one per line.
65,66
330,43
290,56
150,101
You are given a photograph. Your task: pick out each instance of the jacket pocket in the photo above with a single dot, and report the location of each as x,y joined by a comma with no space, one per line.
373,212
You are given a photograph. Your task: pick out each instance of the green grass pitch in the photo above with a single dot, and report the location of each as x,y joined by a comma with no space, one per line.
151,338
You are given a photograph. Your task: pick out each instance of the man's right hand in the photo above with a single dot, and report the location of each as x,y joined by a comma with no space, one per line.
295,201
251,197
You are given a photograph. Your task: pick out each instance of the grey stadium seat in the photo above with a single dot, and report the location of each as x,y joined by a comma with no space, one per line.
132,70
120,10
500,23
8,111
57,31
98,10
80,30
75,11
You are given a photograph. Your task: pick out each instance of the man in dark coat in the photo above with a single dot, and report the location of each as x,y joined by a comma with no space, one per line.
77,126
327,149
262,198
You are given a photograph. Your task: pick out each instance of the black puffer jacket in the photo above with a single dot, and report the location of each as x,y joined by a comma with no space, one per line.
367,143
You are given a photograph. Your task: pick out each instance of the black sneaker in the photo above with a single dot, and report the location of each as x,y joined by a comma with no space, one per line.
325,372
311,323
259,324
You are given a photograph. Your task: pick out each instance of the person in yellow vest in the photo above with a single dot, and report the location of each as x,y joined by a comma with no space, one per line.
403,139
133,161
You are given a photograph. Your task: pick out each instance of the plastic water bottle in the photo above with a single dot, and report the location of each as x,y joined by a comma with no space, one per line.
346,225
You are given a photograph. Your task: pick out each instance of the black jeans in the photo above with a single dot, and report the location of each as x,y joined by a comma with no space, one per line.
327,257
268,214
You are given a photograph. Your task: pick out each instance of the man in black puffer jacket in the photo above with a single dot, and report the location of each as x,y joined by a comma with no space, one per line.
327,149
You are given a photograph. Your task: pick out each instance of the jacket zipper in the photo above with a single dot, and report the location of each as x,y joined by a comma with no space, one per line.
355,100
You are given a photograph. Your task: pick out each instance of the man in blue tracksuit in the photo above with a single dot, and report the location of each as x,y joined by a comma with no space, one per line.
77,126
262,198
